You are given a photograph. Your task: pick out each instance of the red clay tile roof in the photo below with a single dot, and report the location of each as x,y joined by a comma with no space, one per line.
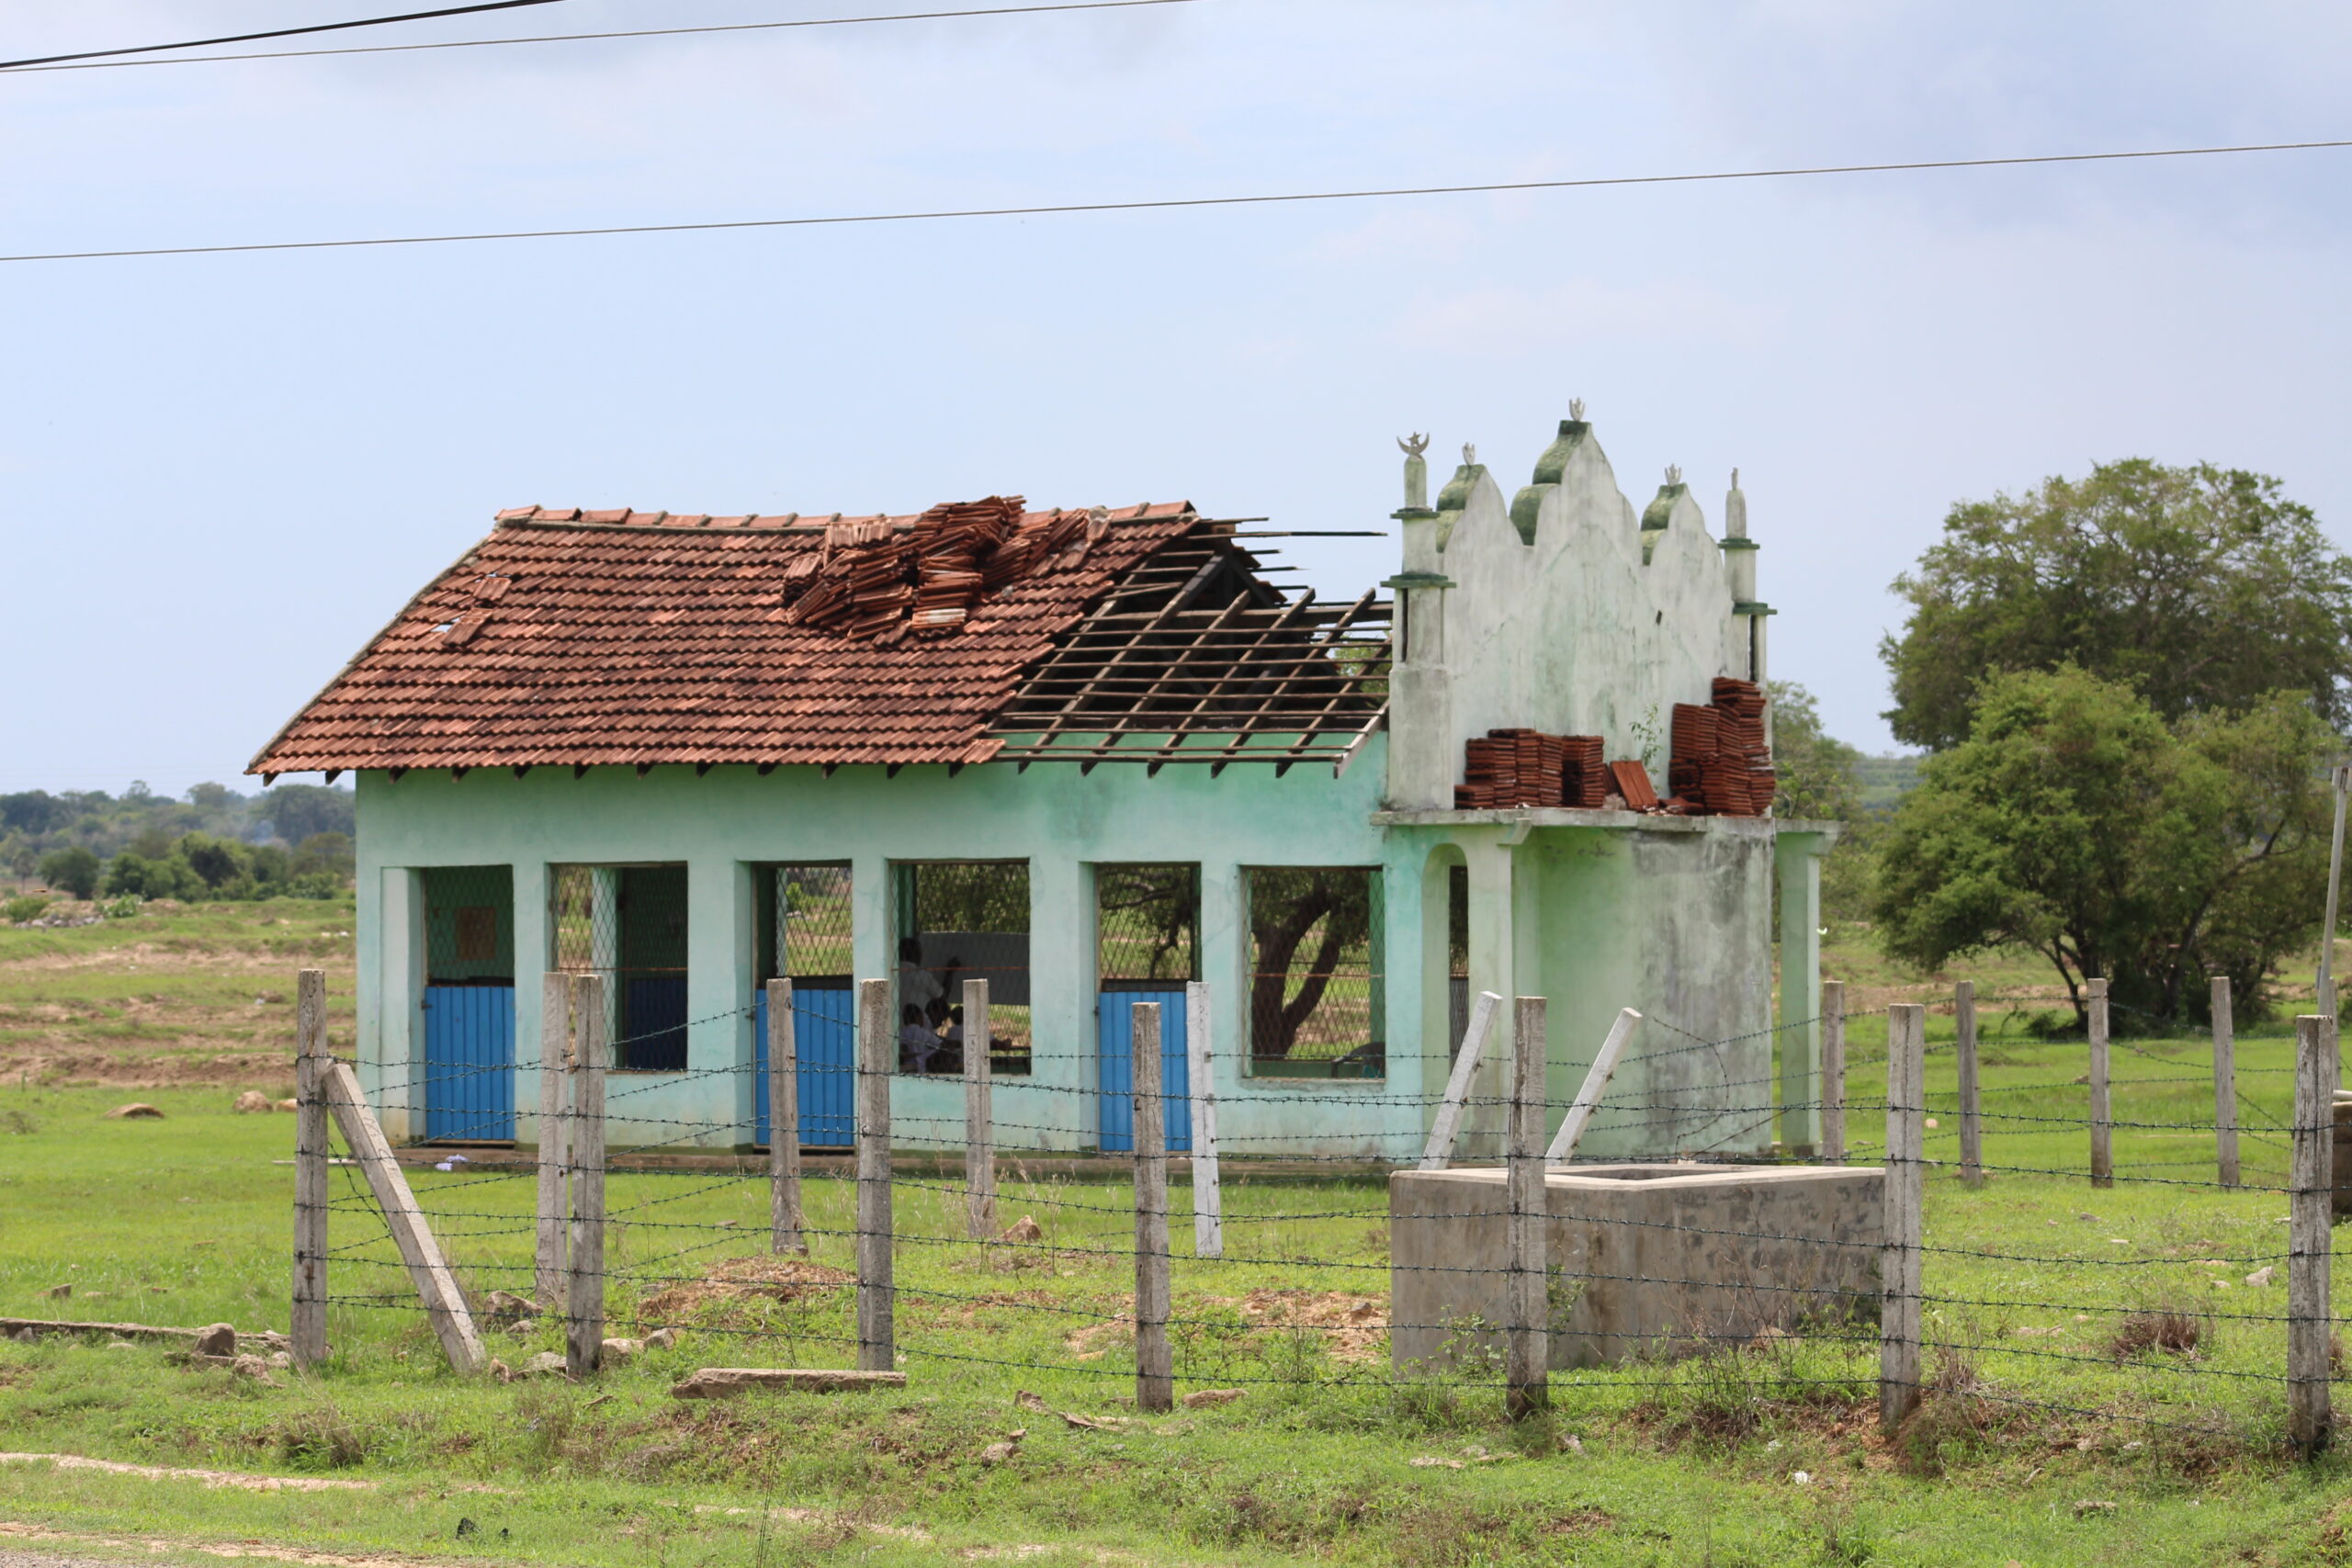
623,636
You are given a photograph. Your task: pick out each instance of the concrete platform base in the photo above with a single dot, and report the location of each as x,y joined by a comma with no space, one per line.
1643,1258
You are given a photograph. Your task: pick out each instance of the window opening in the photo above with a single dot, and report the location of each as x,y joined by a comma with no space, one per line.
1316,1007
629,924
962,920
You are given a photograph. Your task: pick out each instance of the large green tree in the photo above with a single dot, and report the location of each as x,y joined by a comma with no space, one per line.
2203,588
2074,820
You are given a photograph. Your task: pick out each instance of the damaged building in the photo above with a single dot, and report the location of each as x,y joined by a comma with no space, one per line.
1090,755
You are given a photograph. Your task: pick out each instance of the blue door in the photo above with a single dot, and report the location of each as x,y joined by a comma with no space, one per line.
1114,1031
469,1062
824,1037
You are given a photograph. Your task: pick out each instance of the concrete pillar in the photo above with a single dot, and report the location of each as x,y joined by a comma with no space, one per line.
534,955
1225,969
718,991
1062,993
1797,859
398,1089
1493,966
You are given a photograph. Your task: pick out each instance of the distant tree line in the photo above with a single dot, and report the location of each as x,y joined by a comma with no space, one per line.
294,839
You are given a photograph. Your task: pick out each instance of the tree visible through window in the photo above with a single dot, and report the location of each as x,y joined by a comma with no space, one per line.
1315,1007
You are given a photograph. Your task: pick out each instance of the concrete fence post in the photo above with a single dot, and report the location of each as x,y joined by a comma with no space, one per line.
1439,1151
878,1058
1155,1366
1526,1352
979,1117
2226,1085
1972,1109
1209,1196
1899,1275
584,1316
2309,1324
555,1134
311,1151
1833,1072
785,1218
2102,1109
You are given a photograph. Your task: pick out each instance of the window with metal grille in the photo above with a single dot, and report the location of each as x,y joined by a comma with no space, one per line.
1147,926
1316,1007
962,920
629,924
469,925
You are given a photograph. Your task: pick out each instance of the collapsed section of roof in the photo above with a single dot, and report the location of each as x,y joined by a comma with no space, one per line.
971,631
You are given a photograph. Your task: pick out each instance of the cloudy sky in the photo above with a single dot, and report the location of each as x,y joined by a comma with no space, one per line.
218,475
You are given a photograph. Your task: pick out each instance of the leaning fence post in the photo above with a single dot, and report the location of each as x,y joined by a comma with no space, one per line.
877,1058
1526,1353
1155,1368
1439,1151
1898,1361
554,1127
311,1150
2225,1084
783,1122
1971,1110
1833,1072
2308,1244
1596,1084
2102,1112
979,1117
1208,1198
583,1339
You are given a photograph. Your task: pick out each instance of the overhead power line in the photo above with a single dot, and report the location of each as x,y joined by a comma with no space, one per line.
87,64
284,32
1165,204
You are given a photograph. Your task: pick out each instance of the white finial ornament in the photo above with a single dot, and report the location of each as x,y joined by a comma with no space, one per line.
1674,473
1576,409
1469,454
1734,479
1413,446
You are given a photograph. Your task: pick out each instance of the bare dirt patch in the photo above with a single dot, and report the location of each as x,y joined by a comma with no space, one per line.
757,1278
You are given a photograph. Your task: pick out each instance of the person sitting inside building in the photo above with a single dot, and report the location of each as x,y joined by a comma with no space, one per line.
918,987
917,1042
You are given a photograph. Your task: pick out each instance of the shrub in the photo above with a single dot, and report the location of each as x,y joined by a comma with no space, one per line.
28,908
73,869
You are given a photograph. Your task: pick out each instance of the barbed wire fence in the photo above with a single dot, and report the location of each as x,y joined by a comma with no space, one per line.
1548,1262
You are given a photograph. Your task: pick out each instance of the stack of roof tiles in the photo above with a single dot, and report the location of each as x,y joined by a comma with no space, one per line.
1508,768
1719,762
617,638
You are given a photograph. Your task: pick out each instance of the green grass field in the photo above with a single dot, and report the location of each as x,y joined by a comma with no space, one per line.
188,1220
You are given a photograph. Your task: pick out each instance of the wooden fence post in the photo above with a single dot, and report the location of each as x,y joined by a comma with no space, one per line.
583,1339
2308,1243
1899,1278
2225,1084
1526,1351
1155,1367
878,1058
1833,1072
436,1288
1596,1084
1439,1151
783,1122
554,1134
979,1117
1972,1109
311,1151
2102,1110
1209,1196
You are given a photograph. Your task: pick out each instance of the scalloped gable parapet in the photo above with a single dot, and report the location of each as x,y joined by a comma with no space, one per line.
1564,609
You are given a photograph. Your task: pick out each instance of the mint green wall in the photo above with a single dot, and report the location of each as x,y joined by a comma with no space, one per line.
1061,821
